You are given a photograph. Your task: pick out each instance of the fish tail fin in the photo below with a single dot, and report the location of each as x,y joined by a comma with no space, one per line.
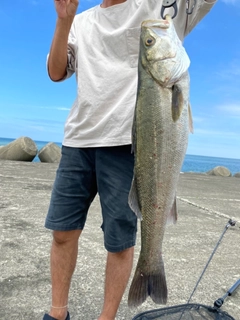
144,285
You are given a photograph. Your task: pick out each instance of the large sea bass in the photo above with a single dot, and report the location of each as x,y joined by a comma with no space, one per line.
160,136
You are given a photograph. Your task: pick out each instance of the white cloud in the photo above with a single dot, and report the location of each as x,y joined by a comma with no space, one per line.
37,128
55,108
31,2
230,109
215,133
198,119
231,71
63,109
231,1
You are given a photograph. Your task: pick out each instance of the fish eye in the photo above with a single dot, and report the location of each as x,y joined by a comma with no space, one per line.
149,41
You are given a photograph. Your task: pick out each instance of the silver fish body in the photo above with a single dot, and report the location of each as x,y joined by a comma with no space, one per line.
160,137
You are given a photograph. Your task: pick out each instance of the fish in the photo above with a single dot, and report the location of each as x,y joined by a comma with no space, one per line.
161,124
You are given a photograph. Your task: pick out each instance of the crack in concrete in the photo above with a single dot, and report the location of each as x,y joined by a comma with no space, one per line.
220,214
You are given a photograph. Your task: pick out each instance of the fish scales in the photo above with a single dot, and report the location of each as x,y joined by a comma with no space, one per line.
160,136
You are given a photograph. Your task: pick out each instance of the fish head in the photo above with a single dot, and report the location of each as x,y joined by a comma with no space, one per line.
161,51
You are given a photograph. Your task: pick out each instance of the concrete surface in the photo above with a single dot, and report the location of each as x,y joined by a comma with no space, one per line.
206,203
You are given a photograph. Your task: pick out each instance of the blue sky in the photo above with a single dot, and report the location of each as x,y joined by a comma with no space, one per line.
31,105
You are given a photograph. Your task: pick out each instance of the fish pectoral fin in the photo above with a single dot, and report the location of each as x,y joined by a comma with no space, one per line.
177,102
190,119
133,200
172,216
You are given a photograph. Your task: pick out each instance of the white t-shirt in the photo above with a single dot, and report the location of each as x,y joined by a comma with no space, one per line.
103,52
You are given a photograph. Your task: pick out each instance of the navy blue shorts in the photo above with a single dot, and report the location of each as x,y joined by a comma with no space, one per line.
84,172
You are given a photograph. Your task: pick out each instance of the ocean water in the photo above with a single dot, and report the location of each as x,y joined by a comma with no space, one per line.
192,163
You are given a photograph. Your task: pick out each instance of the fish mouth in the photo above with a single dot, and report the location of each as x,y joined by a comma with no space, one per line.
159,27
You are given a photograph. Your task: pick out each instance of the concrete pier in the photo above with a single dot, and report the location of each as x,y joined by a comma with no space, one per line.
205,203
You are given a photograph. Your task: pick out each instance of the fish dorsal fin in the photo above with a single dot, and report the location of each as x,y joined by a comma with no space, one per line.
177,102
190,119
133,200
172,216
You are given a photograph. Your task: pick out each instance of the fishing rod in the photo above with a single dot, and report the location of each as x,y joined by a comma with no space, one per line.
219,302
231,223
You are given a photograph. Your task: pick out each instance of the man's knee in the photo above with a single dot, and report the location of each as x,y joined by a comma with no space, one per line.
61,237
126,253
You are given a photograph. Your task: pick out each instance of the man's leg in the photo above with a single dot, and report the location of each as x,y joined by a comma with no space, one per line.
73,191
118,270
63,260
114,169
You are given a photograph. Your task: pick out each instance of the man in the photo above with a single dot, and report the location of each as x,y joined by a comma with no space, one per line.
101,46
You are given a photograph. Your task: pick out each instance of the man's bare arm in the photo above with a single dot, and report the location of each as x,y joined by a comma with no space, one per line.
57,60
